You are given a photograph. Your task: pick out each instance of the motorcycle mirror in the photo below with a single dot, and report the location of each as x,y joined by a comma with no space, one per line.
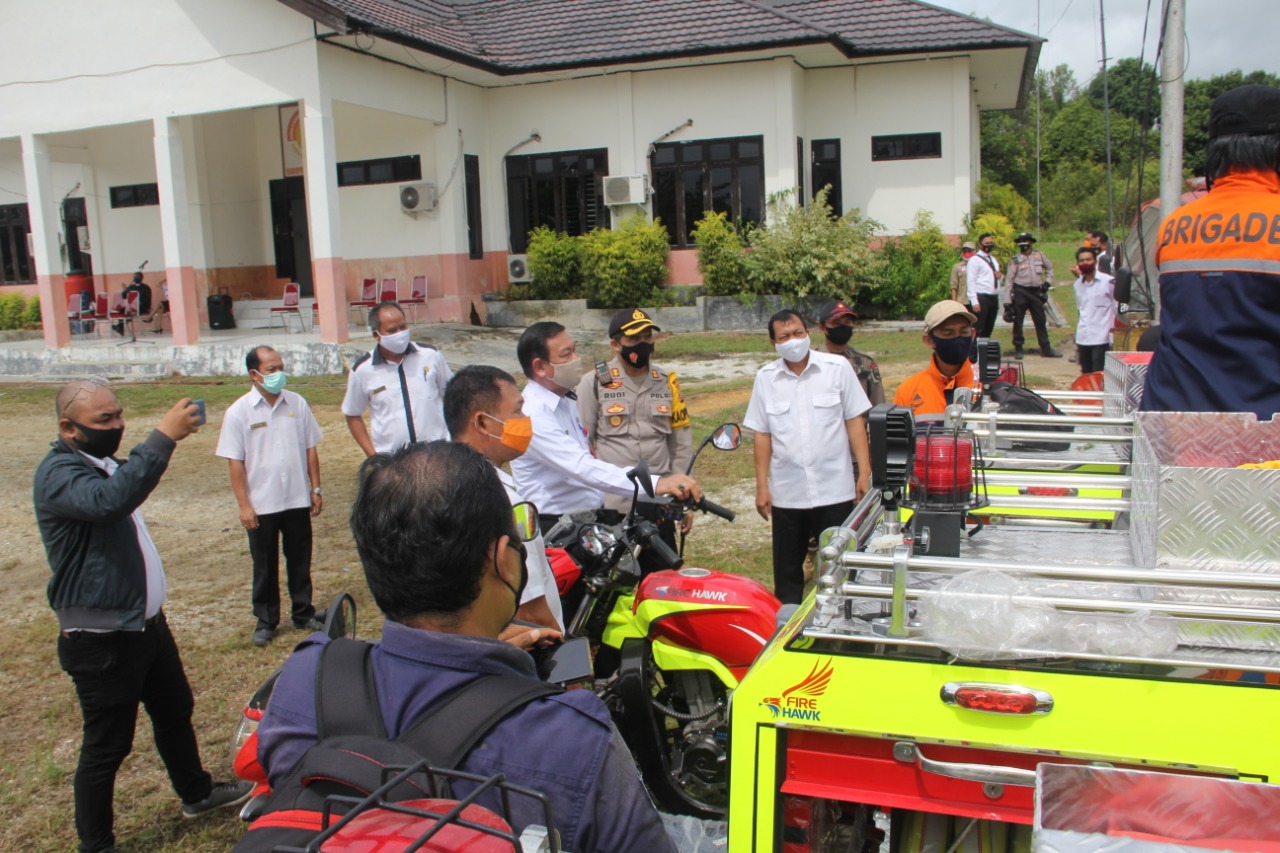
340,619
727,437
640,476
1124,284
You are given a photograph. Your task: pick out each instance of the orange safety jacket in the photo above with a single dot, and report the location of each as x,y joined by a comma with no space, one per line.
1219,259
928,392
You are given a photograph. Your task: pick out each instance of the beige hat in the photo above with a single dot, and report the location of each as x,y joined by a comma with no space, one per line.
944,311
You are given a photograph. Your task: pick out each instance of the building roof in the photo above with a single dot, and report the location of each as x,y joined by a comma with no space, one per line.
509,37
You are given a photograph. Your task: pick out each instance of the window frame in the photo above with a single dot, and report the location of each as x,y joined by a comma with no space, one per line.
471,195
134,195
15,225
912,144
563,190
825,171
400,169
686,157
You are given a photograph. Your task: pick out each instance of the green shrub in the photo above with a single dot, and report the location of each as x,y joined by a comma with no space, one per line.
721,256
555,262
1004,200
12,306
916,269
1000,229
625,267
31,316
804,253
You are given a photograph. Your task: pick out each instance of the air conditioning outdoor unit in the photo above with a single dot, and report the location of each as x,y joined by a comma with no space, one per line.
626,189
417,198
518,269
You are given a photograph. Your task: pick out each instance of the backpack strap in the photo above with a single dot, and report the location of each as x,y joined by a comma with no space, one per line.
341,709
468,713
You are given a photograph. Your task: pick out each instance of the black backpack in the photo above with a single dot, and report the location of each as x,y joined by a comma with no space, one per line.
1017,400
353,748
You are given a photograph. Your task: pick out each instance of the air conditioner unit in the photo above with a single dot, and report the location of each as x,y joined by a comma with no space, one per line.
417,198
626,189
518,269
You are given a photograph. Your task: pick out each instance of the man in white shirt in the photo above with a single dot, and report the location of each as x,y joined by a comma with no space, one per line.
558,473
1096,302
983,274
401,384
269,439
483,408
807,411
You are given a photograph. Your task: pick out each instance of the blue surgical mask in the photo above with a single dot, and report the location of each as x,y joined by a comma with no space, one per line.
953,351
273,383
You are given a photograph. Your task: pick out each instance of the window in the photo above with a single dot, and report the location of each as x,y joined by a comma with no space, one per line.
826,172
475,231
562,191
723,175
906,146
387,170
135,195
15,260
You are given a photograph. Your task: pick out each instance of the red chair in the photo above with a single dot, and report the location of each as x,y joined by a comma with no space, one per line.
109,308
368,290
418,295
291,305
390,291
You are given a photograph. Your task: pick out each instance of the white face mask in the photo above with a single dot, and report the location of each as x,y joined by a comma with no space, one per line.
566,375
793,350
397,343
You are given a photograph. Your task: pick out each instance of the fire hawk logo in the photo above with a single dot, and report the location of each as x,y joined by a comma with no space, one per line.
800,701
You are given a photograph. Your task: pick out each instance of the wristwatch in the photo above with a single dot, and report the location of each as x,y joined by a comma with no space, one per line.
317,491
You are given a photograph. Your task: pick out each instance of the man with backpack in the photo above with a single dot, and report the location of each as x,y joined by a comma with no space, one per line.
446,564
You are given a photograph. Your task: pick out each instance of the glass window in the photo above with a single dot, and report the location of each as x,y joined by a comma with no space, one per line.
906,146
826,172
690,178
15,261
384,170
560,190
135,195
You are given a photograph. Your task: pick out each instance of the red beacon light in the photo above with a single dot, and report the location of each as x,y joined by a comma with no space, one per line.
997,698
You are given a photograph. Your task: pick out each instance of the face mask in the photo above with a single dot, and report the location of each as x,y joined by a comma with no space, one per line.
952,350
1085,269
397,343
840,335
273,383
638,355
566,375
1024,247
98,443
987,248
516,432
518,590
794,350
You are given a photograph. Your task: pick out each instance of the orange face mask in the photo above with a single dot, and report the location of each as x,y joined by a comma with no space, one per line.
516,433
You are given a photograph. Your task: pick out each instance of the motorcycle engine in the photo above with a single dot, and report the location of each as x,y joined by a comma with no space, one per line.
705,730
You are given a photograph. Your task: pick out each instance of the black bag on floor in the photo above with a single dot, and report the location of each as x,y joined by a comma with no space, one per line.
1017,400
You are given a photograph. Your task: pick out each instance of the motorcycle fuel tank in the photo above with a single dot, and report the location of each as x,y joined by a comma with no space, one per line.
720,614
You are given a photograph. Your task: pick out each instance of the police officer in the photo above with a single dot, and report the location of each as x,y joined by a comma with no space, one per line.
836,320
1030,274
632,410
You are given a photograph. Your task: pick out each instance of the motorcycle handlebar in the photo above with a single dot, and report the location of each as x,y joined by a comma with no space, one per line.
647,534
715,509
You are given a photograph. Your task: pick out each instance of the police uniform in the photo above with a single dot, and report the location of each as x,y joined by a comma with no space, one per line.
405,400
1029,277
868,373
632,418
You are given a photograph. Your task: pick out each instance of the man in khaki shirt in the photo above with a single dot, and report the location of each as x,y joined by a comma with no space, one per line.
633,410
959,273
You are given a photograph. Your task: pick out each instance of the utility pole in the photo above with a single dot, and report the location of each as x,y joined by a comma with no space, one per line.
1036,81
1106,118
1172,39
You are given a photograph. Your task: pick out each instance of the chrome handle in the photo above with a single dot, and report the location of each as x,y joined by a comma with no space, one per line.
990,774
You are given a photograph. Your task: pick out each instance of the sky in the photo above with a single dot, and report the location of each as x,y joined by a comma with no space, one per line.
1221,34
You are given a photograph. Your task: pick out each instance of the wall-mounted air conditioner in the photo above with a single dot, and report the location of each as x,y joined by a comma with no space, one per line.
518,269
417,198
626,189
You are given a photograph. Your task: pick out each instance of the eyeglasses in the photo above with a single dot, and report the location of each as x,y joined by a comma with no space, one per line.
525,515
87,386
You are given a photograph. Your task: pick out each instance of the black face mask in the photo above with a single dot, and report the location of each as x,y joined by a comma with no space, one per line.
517,590
98,443
988,249
638,355
839,335
952,350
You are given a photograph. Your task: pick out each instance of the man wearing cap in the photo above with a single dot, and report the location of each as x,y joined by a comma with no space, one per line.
1219,259
959,274
949,332
836,320
1030,276
632,410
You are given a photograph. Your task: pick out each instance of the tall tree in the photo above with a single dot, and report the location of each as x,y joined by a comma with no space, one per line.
1133,89
1199,97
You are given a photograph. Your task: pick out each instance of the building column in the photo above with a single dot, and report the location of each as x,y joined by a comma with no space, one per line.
42,208
324,219
175,229
780,146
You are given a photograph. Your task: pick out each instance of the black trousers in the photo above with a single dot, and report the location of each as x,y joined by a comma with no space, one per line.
1029,299
1093,357
113,674
294,527
792,530
988,308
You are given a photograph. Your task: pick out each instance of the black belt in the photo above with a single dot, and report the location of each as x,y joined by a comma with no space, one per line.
146,623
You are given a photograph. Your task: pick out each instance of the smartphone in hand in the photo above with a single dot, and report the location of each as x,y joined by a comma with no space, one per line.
203,418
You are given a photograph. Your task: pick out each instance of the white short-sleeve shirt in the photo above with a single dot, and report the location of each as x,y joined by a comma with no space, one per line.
272,441
1096,302
376,384
542,581
805,416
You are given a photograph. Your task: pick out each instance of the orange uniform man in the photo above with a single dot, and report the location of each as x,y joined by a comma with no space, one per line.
948,331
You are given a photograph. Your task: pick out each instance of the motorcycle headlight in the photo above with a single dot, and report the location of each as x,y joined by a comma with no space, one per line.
595,539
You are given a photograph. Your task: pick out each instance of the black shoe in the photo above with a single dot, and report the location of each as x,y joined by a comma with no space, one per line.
1018,354
315,623
262,636
223,794
1049,353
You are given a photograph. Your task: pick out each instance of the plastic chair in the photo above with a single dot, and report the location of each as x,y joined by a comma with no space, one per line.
417,296
368,290
79,317
290,305
390,291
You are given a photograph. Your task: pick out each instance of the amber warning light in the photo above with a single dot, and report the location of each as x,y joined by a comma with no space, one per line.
997,698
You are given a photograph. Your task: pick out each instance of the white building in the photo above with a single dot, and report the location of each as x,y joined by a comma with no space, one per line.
243,144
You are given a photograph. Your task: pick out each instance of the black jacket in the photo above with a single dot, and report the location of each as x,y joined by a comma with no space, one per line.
99,576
